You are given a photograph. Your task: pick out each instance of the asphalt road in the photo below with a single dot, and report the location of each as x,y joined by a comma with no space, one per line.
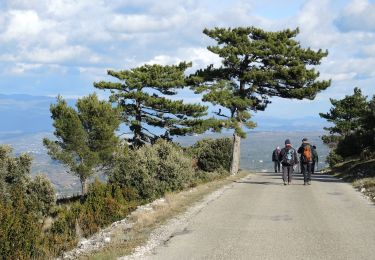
260,218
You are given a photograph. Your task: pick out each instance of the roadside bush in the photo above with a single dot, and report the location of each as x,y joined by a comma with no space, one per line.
213,154
153,170
333,159
41,195
20,230
102,206
351,145
23,204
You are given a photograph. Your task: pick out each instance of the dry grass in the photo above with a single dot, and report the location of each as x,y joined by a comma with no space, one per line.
123,242
360,173
367,186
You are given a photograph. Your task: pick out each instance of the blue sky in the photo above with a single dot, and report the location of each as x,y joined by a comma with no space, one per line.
51,47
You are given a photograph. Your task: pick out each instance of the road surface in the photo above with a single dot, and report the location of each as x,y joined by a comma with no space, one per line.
260,218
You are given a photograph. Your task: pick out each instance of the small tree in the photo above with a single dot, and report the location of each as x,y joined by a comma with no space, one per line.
369,125
351,120
346,115
86,138
256,65
142,97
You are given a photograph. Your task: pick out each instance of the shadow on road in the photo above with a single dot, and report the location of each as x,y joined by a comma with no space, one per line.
258,182
296,177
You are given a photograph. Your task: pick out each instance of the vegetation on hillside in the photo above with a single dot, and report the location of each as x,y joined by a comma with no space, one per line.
32,226
352,140
352,134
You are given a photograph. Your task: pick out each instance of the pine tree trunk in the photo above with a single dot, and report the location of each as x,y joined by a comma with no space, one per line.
138,127
83,187
235,154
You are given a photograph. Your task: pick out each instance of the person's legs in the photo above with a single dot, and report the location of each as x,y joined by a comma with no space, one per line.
285,174
304,172
308,169
290,174
313,168
278,166
275,165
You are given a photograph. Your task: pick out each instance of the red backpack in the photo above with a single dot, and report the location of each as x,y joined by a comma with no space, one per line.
307,154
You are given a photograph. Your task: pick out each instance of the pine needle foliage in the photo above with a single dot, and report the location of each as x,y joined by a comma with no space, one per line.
257,65
86,137
144,94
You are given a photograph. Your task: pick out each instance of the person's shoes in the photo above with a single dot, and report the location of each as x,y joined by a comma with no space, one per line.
289,183
284,183
309,183
304,183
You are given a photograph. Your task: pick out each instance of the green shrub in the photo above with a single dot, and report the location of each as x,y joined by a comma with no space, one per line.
103,205
213,154
20,230
333,158
41,195
351,145
24,202
153,170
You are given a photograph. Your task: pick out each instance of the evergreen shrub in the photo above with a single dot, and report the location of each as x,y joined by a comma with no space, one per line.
213,154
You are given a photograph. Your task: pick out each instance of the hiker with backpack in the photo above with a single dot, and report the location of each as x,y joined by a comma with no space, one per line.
306,160
288,158
275,159
315,159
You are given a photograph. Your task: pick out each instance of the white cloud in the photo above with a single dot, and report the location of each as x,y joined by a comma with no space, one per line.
359,15
59,55
200,57
21,68
338,76
24,25
369,50
143,23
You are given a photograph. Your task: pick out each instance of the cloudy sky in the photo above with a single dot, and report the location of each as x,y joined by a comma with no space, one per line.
50,47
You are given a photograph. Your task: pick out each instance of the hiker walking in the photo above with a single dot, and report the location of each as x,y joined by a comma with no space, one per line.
315,159
275,159
288,158
306,160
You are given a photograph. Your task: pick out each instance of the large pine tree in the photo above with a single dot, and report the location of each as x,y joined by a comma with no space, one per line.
144,94
256,65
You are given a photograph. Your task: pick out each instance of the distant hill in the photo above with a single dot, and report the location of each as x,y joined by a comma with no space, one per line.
302,124
23,114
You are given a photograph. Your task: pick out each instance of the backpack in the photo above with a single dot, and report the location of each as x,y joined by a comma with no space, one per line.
288,158
307,154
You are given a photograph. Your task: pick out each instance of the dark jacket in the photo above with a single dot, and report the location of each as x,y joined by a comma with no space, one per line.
275,155
302,148
282,156
314,154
